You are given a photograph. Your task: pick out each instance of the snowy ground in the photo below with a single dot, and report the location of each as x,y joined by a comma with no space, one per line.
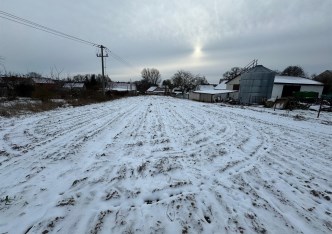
164,165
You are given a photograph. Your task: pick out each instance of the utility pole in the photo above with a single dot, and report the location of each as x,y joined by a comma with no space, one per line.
102,65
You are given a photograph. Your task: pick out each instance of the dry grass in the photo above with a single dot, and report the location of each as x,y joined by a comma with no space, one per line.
9,108
14,109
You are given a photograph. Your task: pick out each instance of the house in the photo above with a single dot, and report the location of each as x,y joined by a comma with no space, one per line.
122,87
151,89
78,86
47,83
160,91
178,92
286,86
212,93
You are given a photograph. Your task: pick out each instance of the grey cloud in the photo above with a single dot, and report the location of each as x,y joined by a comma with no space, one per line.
164,34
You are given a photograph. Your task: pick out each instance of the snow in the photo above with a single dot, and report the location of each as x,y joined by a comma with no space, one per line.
151,89
122,86
120,89
215,91
204,87
295,80
222,85
43,81
153,164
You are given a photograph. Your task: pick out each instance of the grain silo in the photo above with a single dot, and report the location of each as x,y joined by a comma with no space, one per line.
256,85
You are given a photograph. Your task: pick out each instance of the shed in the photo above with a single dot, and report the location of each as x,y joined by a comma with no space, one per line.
122,87
286,86
151,89
212,95
160,91
46,83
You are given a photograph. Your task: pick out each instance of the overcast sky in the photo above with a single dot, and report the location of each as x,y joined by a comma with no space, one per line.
206,37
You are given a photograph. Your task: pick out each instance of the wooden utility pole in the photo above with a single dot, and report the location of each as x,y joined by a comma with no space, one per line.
102,65
320,106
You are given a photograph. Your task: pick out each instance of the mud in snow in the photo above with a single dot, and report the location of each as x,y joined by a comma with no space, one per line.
164,165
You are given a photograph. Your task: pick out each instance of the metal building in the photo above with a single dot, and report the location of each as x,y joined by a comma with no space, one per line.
256,85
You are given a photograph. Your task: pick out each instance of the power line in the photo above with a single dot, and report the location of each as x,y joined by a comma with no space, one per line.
31,24
40,27
118,58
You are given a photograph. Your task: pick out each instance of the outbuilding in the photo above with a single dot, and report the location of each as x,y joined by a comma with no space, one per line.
122,88
78,86
286,86
260,83
212,95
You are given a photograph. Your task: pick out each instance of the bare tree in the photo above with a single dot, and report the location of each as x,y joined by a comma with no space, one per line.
199,80
183,80
2,65
151,76
33,75
234,72
293,71
55,74
168,83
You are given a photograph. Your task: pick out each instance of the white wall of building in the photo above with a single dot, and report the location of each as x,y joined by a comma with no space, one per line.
235,81
277,89
194,96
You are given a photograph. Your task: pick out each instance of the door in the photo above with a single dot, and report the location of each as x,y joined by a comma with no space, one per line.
289,90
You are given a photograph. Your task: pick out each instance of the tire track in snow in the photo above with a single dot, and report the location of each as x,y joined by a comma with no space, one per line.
157,164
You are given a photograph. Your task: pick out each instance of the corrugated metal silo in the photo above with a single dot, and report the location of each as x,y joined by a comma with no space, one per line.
256,85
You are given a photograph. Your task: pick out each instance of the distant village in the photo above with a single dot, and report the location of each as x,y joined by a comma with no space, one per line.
254,84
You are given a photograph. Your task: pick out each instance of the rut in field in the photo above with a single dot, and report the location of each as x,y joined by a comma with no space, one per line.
164,165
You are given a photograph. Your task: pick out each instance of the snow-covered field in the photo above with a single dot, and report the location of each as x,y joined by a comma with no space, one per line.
164,165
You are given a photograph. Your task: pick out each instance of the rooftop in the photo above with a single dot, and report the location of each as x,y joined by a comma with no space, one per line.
295,80
222,85
215,91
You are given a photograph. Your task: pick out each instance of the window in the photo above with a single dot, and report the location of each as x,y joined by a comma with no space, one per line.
236,87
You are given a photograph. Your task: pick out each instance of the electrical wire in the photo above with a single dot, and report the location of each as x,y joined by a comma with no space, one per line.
40,27
118,58
31,24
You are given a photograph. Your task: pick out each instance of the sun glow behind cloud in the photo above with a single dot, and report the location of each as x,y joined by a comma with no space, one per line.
198,53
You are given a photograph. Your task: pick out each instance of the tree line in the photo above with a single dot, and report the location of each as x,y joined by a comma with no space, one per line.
183,80
27,85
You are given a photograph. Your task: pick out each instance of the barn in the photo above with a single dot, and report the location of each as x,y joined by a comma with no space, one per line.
260,83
